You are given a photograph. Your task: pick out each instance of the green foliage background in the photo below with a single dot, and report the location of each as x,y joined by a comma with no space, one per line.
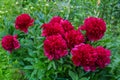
29,62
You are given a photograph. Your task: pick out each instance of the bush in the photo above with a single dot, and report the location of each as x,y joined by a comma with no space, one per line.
29,63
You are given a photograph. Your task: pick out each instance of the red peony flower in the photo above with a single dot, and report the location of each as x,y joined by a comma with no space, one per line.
103,57
52,29
55,47
94,27
73,38
10,43
84,55
67,26
23,22
56,19
81,27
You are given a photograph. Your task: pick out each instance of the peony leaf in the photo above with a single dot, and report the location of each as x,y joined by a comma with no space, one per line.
73,75
49,66
84,78
28,67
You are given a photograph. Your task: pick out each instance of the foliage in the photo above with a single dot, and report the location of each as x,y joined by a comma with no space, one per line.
29,62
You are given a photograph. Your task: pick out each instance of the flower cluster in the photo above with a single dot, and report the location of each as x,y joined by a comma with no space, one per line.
103,57
22,22
74,37
55,47
94,27
61,37
57,25
10,42
89,57
84,55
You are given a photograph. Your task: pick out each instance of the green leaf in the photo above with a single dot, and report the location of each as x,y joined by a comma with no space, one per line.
49,66
33,73
28,67
40,73
84,78
54,66
73,75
